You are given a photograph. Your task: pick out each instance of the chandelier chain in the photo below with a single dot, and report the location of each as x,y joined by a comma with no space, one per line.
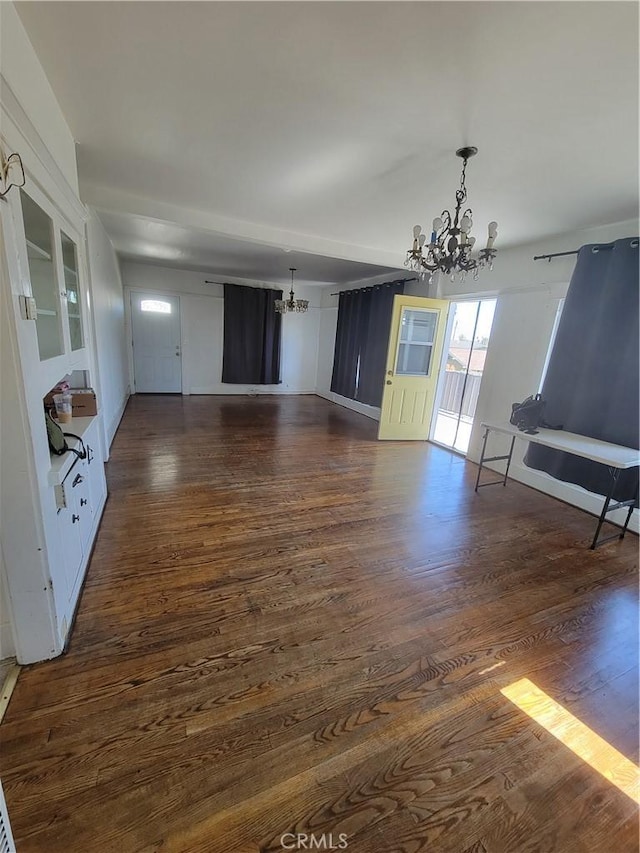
283,306
463,176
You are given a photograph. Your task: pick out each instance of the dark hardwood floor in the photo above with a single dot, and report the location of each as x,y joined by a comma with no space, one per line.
288,627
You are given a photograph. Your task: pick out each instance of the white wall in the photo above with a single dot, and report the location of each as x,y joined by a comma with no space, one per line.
7,644
528,294
201,314
109,328
25,77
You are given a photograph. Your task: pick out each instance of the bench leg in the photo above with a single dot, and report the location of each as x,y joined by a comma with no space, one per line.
615,472
513,441
629,513
484,447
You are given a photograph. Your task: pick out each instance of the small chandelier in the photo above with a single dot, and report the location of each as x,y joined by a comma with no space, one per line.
291,304
450,247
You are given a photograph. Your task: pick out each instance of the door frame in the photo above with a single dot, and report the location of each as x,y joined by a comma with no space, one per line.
128,325
443,365
441,371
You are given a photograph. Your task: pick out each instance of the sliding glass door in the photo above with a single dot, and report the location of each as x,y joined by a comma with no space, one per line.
460,381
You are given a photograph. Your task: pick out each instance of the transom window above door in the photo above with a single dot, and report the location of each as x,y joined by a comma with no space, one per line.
156,306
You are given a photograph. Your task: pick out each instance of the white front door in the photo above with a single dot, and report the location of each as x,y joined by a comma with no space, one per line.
157,350
416,339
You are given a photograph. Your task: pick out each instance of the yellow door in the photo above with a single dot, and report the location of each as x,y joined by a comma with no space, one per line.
413,363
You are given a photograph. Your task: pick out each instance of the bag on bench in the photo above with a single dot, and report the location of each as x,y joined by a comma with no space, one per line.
527,415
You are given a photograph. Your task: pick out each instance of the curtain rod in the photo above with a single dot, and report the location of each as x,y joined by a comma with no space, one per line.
222,283
562,254
371,286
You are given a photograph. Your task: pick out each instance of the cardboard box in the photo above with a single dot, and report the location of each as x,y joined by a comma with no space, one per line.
83,402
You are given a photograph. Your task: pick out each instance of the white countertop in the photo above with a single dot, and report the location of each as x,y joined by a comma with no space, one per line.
61,465
614,455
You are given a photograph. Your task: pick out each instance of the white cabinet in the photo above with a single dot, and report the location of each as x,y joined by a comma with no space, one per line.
71,547
54,274
46,334
81,493
50,515
96,479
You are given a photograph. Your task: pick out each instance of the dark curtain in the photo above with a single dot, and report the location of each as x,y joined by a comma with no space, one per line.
252,328
352,317
591,385
373,356
362,337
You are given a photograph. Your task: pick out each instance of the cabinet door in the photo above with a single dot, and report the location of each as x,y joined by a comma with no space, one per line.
39,233
69,526
95,470
72,288
81,501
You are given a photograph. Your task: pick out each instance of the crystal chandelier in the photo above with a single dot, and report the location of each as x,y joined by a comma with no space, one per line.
291,304
450,247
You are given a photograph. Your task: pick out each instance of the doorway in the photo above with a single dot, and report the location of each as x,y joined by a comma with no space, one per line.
416,341
468,340
157,350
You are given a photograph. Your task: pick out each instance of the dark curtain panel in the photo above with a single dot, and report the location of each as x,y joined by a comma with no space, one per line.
252,328
592,381
352,323
373,356
362,336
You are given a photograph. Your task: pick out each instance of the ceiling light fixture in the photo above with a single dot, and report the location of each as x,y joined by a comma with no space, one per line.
450,247
291,304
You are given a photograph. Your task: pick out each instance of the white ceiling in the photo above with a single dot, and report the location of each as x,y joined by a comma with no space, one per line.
331,127
168,244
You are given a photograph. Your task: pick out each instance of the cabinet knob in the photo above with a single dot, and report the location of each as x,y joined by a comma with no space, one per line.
75,518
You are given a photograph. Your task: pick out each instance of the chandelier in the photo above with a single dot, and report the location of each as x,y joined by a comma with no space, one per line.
291,304
450,247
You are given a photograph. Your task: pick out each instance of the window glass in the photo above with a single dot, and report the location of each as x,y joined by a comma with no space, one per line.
70,265
415,348
156,306
38,229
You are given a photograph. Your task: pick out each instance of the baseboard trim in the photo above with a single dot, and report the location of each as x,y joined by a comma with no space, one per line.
8,686
361,408
244,391
115,423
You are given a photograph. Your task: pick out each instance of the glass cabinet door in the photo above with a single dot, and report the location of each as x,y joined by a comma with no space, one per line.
38,229
70,266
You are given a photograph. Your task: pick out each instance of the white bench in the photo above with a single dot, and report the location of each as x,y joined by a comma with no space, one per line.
616,457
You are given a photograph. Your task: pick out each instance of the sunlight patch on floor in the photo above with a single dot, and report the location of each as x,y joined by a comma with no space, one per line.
578,737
